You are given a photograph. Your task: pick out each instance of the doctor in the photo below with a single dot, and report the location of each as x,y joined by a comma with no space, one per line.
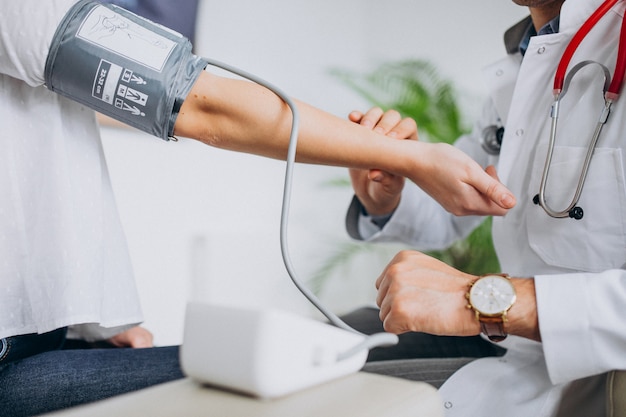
64,265
561,314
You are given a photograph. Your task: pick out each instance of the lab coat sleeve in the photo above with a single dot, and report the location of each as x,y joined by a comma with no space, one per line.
581,319
419,221
26,31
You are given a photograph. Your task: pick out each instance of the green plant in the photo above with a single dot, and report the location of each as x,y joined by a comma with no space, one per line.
416,89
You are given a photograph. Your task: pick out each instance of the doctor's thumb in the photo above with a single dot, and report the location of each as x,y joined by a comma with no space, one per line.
507,200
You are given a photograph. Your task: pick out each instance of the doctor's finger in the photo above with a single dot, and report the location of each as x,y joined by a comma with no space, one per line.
404,129
383,310
495,191
382,285
391,123
388,123
382,300
381,279
383,122
355,116
384,178
491,170
376,175
371,118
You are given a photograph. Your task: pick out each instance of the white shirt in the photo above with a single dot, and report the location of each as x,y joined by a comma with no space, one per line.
63,254
577,264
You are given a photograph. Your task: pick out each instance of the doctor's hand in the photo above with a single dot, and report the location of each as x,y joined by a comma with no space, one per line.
447,174
460,184
418,293
377,190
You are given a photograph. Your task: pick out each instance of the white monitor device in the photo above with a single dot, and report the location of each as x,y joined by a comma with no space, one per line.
264,353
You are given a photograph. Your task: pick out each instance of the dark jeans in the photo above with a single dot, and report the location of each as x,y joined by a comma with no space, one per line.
419,345
419,356
38,375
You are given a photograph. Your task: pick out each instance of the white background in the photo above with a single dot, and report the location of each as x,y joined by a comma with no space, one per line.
203,223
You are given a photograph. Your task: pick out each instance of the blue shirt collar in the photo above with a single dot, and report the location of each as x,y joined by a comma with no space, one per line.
551,27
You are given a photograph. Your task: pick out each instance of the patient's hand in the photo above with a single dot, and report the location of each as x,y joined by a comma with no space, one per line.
459,183
135,337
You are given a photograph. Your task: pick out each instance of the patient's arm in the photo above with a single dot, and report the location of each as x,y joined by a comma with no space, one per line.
243,116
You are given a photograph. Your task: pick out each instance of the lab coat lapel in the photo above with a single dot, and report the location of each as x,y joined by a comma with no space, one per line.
500,80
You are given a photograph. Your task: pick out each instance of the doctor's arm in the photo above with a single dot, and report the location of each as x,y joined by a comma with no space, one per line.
418,293
385,208
241,116
578,317
582,322
378,192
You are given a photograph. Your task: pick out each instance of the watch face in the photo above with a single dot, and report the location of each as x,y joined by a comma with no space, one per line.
492,295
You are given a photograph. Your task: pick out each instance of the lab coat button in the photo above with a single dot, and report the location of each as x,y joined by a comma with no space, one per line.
519,132
541,50
447,405
500,72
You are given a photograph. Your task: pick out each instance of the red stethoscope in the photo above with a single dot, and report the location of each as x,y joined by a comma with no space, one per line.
611,91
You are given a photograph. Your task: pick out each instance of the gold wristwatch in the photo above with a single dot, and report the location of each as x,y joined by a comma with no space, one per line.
491,296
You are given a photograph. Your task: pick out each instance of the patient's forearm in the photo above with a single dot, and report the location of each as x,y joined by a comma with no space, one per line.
241,116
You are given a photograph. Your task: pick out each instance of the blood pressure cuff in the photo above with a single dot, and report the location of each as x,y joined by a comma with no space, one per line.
122,65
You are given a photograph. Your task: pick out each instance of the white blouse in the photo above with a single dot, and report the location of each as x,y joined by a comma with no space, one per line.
63,254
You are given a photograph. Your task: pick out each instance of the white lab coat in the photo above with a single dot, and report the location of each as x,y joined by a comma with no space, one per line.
577,264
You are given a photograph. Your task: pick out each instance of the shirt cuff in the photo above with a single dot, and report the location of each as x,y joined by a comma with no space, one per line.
581,324
361,225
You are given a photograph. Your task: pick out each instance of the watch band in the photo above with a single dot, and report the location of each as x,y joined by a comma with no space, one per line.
493,328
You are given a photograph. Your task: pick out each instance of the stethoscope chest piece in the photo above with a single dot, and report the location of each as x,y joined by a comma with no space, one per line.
492,139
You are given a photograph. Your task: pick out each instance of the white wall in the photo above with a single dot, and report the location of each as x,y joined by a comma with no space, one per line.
203,223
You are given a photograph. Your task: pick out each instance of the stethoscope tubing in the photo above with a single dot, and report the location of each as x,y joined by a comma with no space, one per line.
578,37
611,91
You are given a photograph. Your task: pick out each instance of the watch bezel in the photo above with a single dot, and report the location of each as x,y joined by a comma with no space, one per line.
475,303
